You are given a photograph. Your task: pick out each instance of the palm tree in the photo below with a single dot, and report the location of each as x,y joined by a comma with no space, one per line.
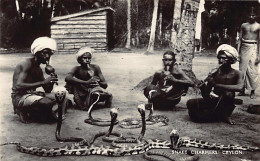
184,46
153,27
176,21
128,40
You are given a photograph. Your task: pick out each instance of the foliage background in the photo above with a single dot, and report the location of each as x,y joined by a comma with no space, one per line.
221,20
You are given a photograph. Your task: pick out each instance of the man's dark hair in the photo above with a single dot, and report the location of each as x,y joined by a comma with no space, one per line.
44,50
252,11
170,53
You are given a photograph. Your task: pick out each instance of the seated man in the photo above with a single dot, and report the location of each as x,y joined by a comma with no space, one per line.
28,76
168,85
86,81
224,83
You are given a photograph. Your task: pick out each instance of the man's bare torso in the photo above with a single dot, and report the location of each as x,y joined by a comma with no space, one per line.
250,31
162,74
32,72
227,78
86,74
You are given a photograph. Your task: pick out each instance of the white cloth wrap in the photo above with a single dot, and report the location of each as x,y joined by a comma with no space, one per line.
43,43
230,51
84,50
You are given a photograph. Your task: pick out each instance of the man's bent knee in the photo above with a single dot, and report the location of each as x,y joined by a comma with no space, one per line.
45,102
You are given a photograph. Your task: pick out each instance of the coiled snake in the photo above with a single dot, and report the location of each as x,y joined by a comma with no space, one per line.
152,119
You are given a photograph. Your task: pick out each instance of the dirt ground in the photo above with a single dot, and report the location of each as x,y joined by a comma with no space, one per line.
123,71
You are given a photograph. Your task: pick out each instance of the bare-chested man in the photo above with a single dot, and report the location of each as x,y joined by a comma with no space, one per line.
86,80
249,52
218,105
168,84
28,76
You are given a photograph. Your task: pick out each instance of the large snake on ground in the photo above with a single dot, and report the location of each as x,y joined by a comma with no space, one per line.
188,142
83,149
152,119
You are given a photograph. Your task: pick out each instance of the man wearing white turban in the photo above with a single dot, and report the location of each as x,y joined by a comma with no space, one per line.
219,89
28,76
86,81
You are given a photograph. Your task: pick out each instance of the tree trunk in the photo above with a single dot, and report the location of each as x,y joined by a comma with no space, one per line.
184,47
128,40
137,24
175,22
160,25
153,27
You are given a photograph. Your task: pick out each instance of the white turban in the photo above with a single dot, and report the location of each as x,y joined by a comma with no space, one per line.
84,50
230,51
43,43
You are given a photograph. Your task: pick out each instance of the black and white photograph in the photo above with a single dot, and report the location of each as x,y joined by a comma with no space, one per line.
130,80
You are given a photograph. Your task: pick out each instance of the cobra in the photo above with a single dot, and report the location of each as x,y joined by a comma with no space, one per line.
60,97
107,138
98,122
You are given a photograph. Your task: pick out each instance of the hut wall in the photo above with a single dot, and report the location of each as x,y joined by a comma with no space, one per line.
87,30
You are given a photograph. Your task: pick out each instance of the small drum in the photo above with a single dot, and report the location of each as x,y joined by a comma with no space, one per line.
253,109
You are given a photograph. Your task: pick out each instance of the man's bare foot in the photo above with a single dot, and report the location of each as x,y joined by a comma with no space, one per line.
241,93
238,101
228,120
24,118
252,95
148,106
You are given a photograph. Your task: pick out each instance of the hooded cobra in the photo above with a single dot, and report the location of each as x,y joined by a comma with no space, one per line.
60,97
97,122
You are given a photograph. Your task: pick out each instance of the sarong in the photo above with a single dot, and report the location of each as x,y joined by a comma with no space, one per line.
213,109
19,101
162,99
248,53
